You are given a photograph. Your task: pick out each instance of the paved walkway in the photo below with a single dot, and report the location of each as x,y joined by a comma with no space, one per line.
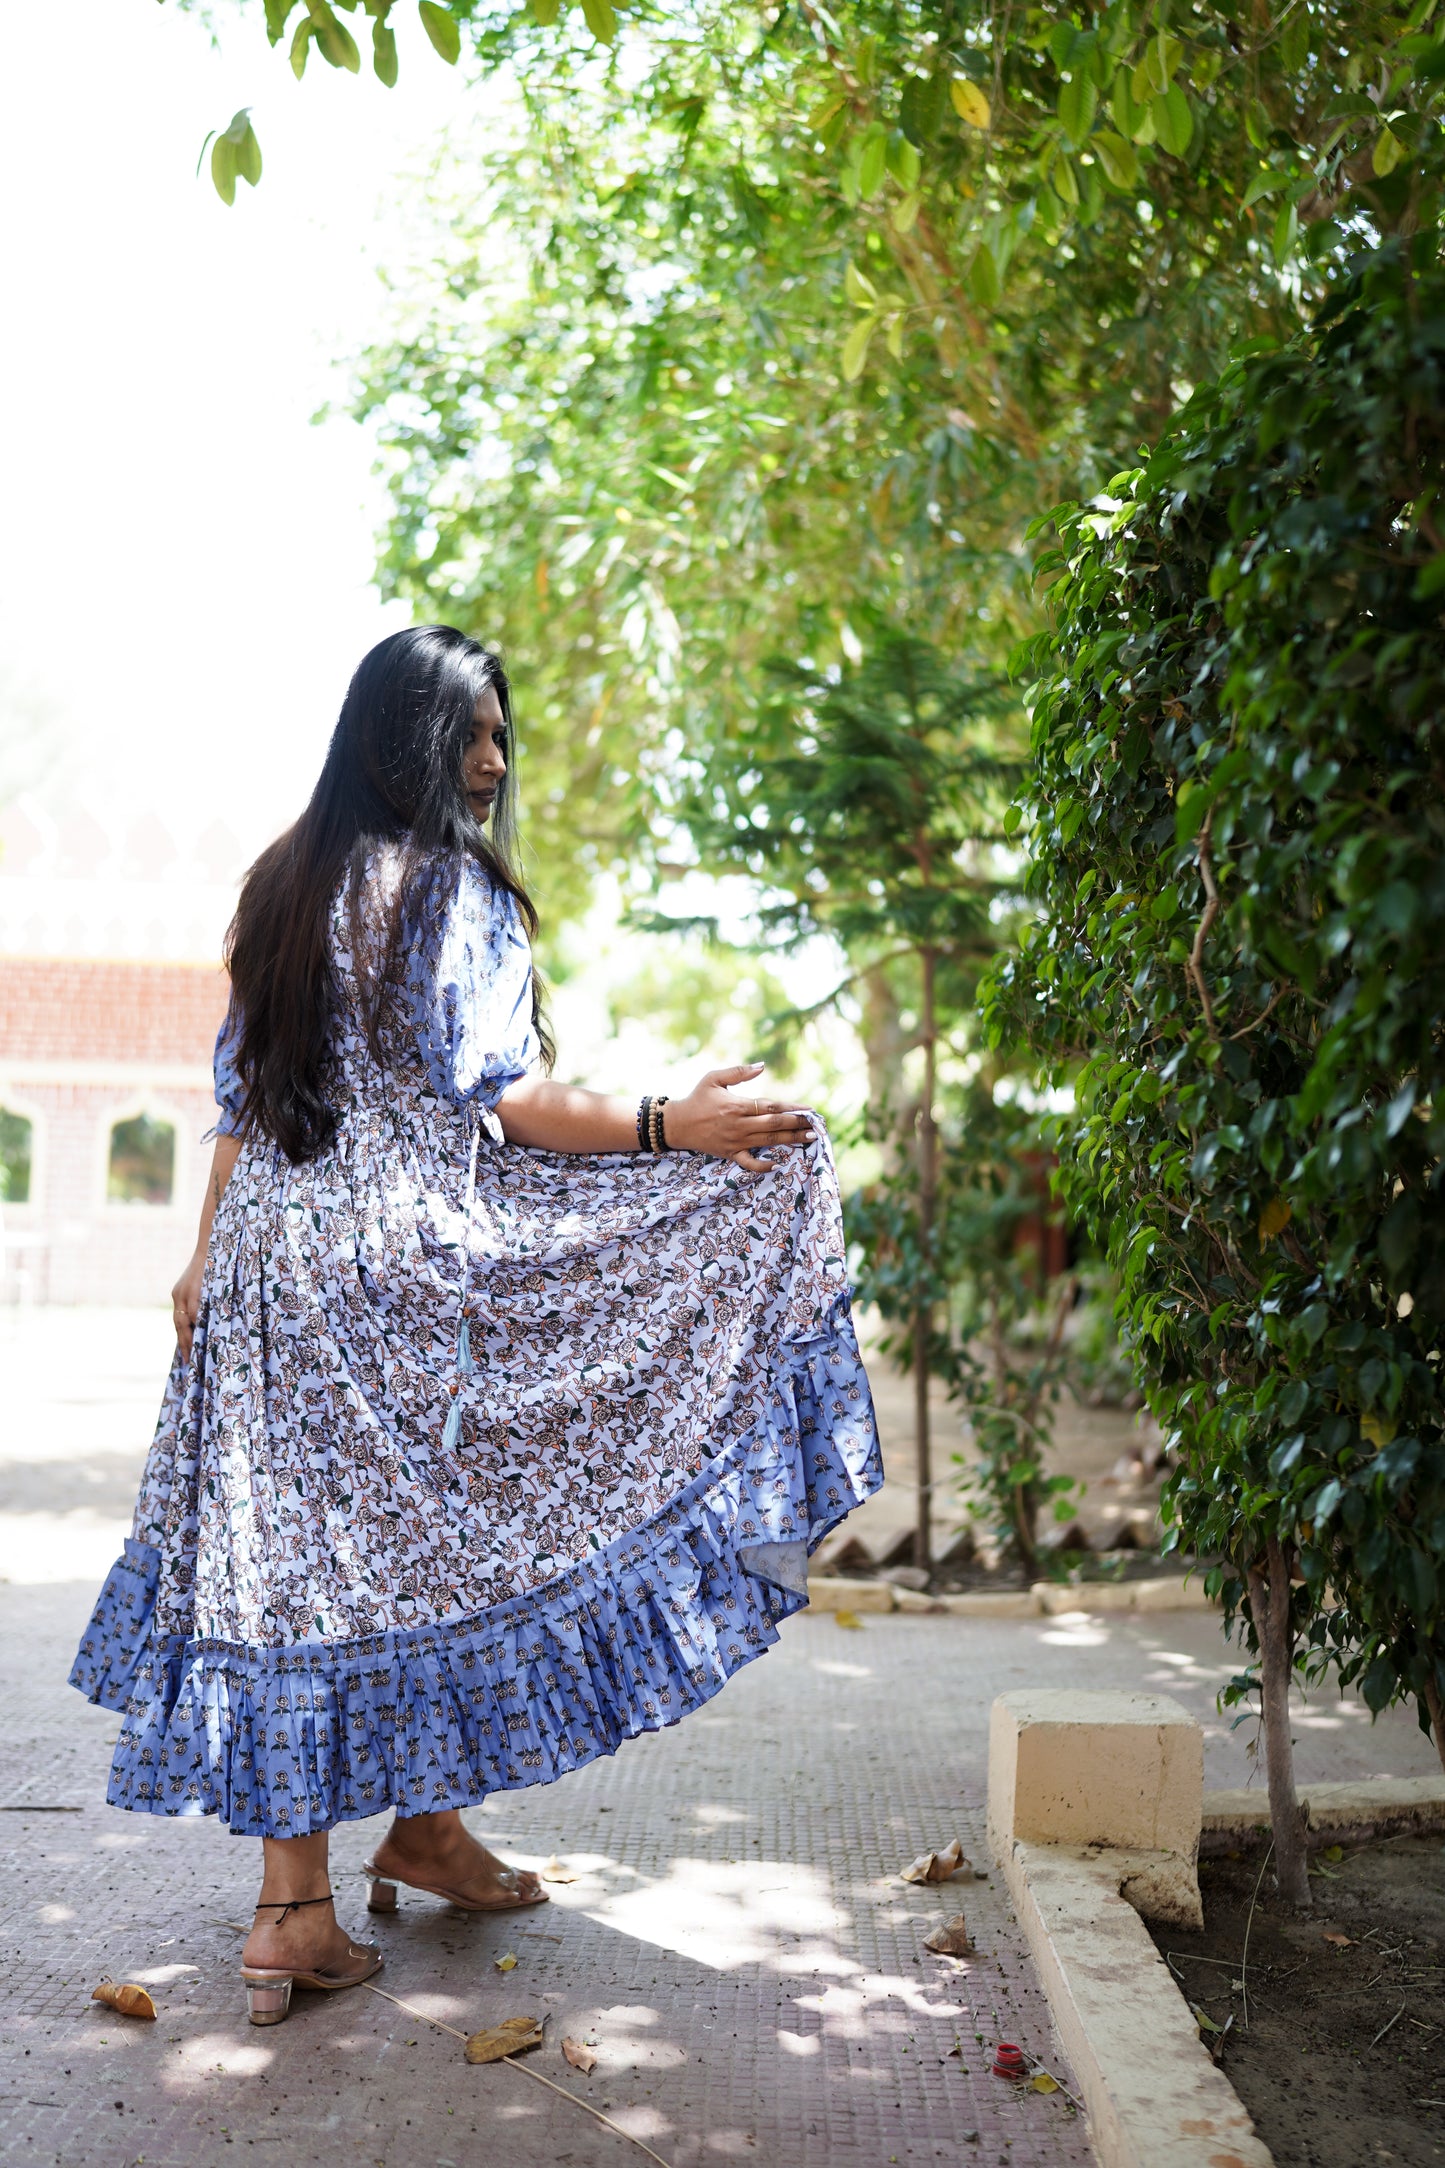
736,1945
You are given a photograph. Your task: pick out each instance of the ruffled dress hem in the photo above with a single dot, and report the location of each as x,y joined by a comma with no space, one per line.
282,1741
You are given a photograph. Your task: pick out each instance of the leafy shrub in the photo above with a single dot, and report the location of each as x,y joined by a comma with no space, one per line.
1238,827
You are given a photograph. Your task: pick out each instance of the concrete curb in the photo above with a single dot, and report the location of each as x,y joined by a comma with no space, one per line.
1238,1821
1094,1802
1046,1599
1153,2095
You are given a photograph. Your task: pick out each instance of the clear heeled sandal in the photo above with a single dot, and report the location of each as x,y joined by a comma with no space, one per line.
514,1895
268,1988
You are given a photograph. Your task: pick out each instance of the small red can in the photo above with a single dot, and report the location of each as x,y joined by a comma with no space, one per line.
1008,2062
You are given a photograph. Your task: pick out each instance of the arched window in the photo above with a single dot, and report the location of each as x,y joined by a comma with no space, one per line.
142,1164
17,1138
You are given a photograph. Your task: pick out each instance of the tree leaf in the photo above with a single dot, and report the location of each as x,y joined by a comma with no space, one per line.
125,1997
905,212
1078,103
223,168
983,278
1161,61
1387,153
1116,155
248,153
904,162
300,47
338,46
873,159
512,2037
1132,116
383,52
1173,121
1263,183
922,107
1275,1217
969,102
859,288
855,348
600,20
1285,233
442,27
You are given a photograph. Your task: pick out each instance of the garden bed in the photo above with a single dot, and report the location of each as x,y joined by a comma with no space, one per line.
974,1575
1342,2060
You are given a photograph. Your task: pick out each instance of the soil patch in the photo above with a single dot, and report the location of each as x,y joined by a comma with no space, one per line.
1341,2062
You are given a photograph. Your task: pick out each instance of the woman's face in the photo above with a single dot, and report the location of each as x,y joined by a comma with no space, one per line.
484,763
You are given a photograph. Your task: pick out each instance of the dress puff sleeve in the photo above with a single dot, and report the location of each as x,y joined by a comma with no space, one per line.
230,1092
469,987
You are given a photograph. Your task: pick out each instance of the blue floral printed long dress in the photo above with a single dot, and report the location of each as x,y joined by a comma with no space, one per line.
485,1458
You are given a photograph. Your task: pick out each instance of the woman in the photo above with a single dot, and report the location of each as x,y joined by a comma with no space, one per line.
503,1414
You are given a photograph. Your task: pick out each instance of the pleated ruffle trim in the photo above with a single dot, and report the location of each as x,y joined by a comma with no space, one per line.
278,1742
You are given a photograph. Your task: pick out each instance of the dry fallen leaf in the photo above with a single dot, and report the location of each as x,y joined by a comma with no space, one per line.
512,2037
951,1939
1043,2083
125,1996
1341,1942
507,1963
557,1870
937,1866
580,2056
849,1619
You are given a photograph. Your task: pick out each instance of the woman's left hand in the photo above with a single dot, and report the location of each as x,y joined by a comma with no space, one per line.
710,1119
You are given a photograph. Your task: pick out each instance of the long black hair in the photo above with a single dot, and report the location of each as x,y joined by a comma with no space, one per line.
392,777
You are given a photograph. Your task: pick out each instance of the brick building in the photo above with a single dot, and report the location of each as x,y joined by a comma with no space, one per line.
105,1096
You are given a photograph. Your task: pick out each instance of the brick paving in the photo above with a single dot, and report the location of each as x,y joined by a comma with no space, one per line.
737,1944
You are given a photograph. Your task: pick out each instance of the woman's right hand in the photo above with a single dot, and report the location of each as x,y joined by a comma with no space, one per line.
710,1119
186,1302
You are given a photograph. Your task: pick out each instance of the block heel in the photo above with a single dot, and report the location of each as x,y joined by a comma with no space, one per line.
380,1894
268,1996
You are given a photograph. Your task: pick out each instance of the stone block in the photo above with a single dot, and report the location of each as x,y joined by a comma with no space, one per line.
1170,1592
1058,1598
1116,1768
832,1593
992,1603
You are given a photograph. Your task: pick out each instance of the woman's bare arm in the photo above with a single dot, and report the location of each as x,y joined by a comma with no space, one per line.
186,1294
567,1118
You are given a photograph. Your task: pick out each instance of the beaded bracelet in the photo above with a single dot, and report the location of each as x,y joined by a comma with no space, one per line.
651,1134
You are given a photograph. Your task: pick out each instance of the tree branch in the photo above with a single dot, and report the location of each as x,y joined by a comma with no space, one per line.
1202,930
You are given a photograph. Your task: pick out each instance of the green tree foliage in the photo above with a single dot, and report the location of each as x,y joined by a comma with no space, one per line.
866,802
754,337
1239,814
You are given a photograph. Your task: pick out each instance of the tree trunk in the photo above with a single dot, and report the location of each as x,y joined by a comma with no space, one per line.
1025,1520
923,1315
1269,1599
1436,1707
884,1045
